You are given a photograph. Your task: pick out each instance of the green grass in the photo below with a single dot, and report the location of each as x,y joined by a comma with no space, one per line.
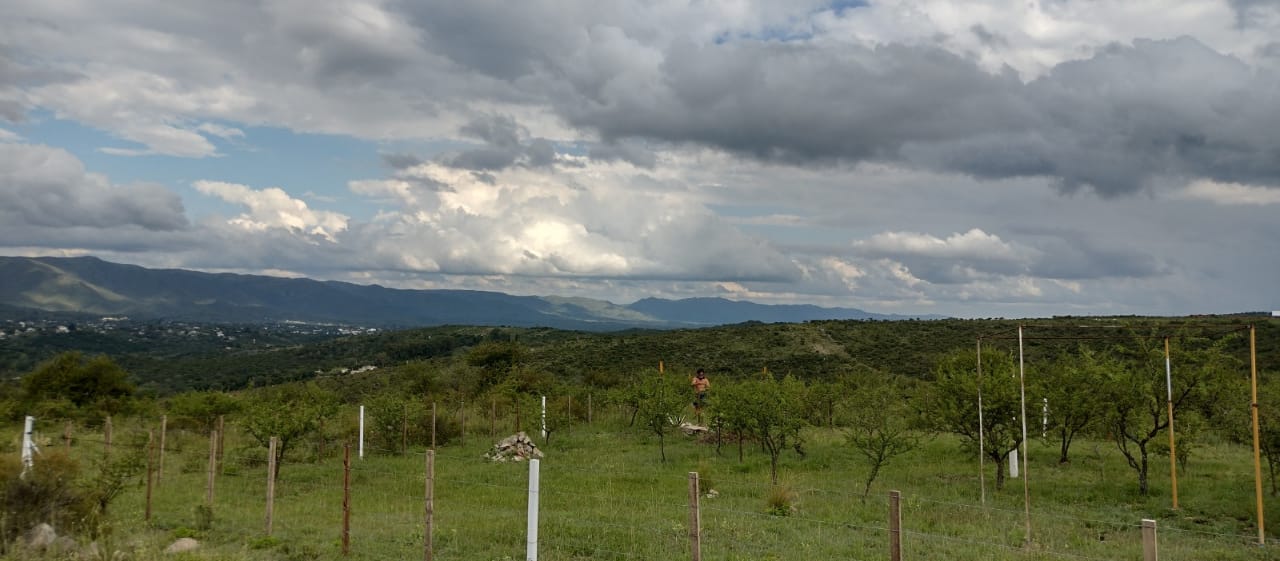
606,495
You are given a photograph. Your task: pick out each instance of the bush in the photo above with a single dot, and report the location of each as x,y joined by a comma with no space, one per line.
48,494
781,500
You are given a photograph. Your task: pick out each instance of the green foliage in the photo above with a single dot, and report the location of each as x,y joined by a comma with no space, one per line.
879,421
952,403
94,387
768,409
199,411
660,402
289,412
1138,392
1069,383
48,494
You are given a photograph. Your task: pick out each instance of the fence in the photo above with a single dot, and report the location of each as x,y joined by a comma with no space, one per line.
454,504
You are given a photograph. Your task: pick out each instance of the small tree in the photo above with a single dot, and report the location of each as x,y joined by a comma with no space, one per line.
288,412
1070,384
1136,393
200,410
952,406
879,425
660,401
771,410
96,387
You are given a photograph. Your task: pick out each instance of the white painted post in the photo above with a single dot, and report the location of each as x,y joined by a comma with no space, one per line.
1044,419
28,446
531,549
361,432
544,417
1013,463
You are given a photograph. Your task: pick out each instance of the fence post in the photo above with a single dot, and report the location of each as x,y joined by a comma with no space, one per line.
346,498
164,427
28,444
222,435
531,545
361,448
462,426
431,506
151,452
404,430
588,409
66,435
106,438
213,469
895,526
695,517
493,418
1149,549
271,482
433,425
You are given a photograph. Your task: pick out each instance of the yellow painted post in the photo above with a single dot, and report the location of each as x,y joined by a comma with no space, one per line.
1257,460
1173,450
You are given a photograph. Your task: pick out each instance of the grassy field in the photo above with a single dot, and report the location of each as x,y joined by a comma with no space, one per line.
606,495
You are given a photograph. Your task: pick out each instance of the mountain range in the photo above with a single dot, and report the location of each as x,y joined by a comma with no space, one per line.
89,285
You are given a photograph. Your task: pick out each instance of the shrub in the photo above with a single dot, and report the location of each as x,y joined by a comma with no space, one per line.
47,494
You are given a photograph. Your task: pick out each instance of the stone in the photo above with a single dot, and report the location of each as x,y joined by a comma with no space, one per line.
63,546
515,448
41,537
182,545
690,429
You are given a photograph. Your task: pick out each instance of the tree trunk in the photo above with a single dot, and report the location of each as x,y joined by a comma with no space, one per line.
1142,471
1000,463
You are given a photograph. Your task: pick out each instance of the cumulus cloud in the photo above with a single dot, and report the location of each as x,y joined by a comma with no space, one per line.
43,186
273,208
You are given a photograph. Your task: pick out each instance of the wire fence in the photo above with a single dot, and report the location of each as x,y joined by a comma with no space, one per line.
587,510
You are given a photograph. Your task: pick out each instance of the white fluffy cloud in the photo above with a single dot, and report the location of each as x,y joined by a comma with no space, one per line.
274,208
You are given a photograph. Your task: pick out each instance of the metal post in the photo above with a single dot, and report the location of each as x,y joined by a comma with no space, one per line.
544,417
361,447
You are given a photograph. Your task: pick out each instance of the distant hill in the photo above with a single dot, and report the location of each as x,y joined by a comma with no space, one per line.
93,286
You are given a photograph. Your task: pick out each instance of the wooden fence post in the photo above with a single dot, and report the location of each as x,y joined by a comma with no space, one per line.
895,526
695,518
346,499
164,426
66,435
404,430
271,482
588,409
462,426
433,425
151,452
213,469
493,418
430,513
1149,549
222,435
106,438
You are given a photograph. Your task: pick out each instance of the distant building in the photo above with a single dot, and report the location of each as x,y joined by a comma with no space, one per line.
1275,314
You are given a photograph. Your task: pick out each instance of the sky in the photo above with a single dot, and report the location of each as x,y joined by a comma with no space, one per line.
1005,158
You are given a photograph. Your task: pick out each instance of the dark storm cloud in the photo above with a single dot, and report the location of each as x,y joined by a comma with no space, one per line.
1112,123
503,148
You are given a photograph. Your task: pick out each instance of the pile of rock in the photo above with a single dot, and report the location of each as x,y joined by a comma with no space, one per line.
690,429
515,448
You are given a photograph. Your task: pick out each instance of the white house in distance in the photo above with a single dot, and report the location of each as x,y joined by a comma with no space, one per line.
1275,314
